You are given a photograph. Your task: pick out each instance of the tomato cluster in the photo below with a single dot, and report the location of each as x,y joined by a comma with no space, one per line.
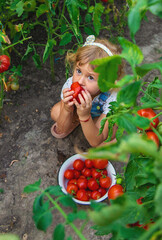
149,113
88,179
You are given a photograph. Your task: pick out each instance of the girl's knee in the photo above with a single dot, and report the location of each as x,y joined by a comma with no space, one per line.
55,111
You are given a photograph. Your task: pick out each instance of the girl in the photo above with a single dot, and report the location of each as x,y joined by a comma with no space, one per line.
93,107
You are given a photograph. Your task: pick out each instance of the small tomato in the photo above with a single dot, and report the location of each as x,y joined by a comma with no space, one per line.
78,164
14,86
100,163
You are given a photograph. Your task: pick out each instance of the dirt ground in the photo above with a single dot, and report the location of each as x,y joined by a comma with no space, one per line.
28,151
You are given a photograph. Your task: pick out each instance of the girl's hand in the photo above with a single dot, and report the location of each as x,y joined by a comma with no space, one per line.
84,108
68,99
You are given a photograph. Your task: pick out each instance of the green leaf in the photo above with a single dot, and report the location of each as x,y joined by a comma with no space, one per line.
27,53
37,61
1,190
33,187
43,8
77,215
135,16
158,202
65,39
59,232
103,121
128,94
97,13
55,190
125,121
107,69
19,8
125,80
48,49
155,7
131,52
106,215
88,18
42,214
67,201
141,122
145,68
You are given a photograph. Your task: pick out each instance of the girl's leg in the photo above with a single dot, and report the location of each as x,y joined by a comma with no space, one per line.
55,112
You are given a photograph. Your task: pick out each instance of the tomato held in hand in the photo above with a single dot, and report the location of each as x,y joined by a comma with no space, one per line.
115,191
152,136
105,182
149,113
100,163
78,164
4,63
76,87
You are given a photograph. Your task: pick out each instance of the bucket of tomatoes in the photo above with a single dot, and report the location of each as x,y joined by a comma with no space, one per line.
86,179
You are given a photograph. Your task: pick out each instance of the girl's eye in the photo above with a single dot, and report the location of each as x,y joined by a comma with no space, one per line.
91,78
78,71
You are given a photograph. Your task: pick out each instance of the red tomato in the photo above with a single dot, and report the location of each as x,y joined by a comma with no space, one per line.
74,181
92,184
104,1
78,164
104,172
76,87
115,191
87,172
149,113
96,195
105,182
76,174
82,195
152,136
139,200
89,163
102,191
100,163
4,63
69,174
82,183
89,194
96,173
72,188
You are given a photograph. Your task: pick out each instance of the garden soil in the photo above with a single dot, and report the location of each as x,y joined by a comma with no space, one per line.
29,152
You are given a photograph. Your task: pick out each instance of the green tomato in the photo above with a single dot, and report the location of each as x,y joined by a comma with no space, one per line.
30,5
14,86
119,180
159,128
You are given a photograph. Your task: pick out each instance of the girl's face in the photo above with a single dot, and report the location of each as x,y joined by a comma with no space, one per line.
87,78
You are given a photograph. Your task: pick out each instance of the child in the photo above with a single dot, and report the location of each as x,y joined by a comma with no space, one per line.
93,107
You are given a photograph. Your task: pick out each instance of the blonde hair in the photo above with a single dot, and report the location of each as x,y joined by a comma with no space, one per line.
89,53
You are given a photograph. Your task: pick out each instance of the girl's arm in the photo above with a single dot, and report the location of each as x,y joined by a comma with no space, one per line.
91,130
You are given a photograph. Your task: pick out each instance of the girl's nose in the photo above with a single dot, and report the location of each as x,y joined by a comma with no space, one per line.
81,80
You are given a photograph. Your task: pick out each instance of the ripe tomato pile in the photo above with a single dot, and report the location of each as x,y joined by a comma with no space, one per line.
88,179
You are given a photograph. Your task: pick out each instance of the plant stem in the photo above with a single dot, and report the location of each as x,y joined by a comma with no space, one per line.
16,43
81,236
